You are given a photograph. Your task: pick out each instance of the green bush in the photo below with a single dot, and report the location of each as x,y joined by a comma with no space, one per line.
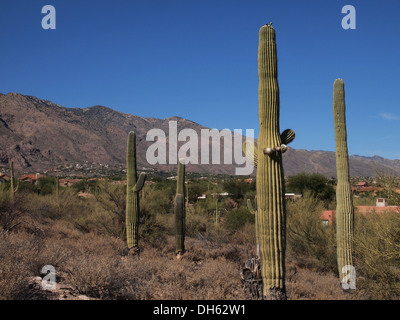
313,183
84,186
377,255
237,219
238,188
196,223
46,185
307,236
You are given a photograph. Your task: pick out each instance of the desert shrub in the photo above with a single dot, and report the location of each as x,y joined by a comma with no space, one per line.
18,255
24,187
110,203
309,284
93,265
210,204
40,206
166,186
155,200
315,184
95,275
9,213
238,188
390,185
237,219
97,220
46,185
246,235
377,255
367,199
152,230
66,206
84,186
196,223
196,188
307,236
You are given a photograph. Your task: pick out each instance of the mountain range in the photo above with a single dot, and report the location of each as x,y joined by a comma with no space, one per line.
38,135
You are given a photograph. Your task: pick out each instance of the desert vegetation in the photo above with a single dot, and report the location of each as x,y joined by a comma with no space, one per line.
84,238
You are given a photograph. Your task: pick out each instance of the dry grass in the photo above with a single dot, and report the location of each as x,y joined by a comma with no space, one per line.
97,266
305,282
94,260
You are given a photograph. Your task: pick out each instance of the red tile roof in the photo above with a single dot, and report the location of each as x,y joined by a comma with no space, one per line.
330,214
31,176
362,184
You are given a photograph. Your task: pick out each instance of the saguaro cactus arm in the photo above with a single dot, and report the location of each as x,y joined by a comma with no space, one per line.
140,183
250,207
287,136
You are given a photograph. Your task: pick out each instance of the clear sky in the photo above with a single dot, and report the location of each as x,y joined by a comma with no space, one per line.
198,59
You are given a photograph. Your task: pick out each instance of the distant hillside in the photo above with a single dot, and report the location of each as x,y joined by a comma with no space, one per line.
324,162
39,135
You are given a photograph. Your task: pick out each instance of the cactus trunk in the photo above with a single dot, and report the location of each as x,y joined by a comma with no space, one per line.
180,211
13,189
12,180
271,214
344,201
217,218
133,186
58,192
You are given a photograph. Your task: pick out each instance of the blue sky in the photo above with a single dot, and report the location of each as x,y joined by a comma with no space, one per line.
198,59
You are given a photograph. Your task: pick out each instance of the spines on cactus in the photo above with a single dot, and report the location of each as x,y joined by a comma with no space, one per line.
271,211
344,201
133,186
180,210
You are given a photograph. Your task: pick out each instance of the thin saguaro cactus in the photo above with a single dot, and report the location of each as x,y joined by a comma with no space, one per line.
13,189
344,201
133,186
180,210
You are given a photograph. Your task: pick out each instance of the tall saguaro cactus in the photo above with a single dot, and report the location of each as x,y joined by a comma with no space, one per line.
133,186
344,201
180,211
271,210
